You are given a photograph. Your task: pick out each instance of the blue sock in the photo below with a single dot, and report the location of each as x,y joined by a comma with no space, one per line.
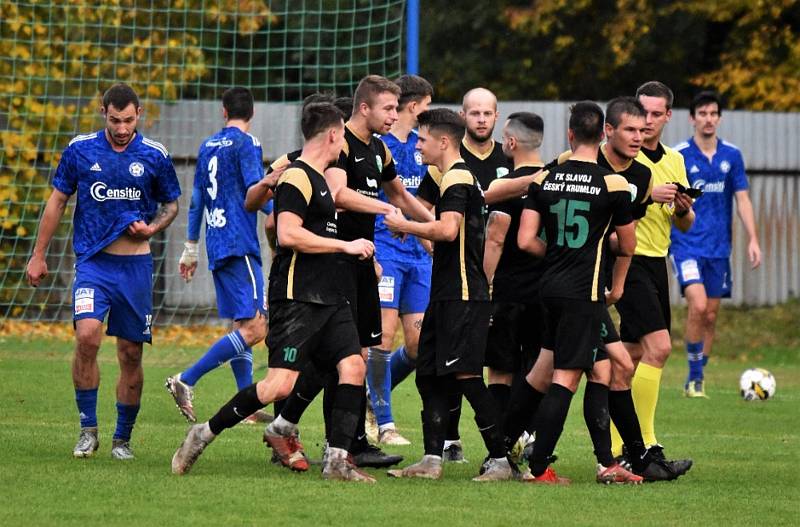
242,366
126,418
401,365
87,406
379,381
694,352
222,351
705,360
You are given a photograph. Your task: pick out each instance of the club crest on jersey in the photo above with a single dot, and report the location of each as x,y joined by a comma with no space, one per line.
634,190
502,171
725,167
418,157
136,169
379,161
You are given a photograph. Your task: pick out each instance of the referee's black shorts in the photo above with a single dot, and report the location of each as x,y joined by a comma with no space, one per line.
644,306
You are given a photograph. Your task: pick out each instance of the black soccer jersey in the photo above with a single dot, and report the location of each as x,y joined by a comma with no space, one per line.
285,159
429,186
517,275
296,275
579,202
486,167
457,272
640,182
368,163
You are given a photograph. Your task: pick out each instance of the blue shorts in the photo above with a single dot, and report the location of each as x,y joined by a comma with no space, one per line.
239,283
713,273
405,286
121,286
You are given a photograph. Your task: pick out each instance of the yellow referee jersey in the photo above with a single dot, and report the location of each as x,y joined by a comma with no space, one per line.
652,231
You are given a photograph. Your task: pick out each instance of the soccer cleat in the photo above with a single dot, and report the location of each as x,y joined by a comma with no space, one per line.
87,443
499,469
429,467
374,457
371,424
288,449
190,449
183,395
390,436
342,469
617,474
121,449
678,467
454,452
258,417
695,390
548,477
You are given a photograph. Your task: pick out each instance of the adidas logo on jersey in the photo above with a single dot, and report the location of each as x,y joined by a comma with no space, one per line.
694,169
96,168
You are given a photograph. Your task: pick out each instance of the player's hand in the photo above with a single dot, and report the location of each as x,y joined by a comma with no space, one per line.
139,230
362,248
682,202
613,296
187,264
664,193
378,270
36,270
754,253
395,221
271,180
427,245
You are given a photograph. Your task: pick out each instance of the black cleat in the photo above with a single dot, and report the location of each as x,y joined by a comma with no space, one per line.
374,457
655,467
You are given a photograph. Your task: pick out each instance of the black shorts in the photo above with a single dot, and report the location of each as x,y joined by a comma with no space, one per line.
515,336
644,306
453,337
572,331
608,334
359,285
300,332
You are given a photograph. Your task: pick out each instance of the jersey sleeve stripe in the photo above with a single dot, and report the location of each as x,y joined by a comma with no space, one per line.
82,137
597,261
436,176
616,183
255,140
280,162
158,146
298,178
682,146
538,179
455,177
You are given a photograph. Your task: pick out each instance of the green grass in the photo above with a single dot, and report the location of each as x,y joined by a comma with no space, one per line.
746,454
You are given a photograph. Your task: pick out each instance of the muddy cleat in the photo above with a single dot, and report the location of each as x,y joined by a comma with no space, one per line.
337,466
454,452
288,449
87,443
497,469
190,449
694,390
617,474
390,436
429,467
549,477
121,449
183,395
374,457
258,417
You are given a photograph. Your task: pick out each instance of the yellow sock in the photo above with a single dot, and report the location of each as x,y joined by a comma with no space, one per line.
616,441
644,387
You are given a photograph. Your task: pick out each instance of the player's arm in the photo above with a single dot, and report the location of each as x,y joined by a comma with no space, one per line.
527,238
187,264
402,198
292,235
259,194
445,229
620,271
53,211
496,230
348,199
164,216
510,188
744,208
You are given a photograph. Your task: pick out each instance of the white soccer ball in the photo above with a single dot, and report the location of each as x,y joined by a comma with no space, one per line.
757,384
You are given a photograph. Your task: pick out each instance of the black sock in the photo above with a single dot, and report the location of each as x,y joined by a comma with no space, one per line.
623,413
435,413
521,411
360,442
454,405
306,389
501,393
549,425
277,406
328,398
487,416
344,416
595,413
234,411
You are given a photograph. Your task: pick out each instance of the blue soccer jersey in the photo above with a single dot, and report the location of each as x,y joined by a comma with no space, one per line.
410,170
228,163
114,189
719,179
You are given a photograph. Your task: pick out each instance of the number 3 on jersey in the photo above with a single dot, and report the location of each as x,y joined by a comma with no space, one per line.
572,227
216,217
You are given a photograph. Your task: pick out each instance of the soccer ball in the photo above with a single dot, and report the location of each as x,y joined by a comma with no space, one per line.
757,384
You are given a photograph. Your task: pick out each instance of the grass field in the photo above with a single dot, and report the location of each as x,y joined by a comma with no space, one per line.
745,473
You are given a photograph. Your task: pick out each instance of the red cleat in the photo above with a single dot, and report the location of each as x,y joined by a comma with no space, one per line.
617,474
549,477
289,451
